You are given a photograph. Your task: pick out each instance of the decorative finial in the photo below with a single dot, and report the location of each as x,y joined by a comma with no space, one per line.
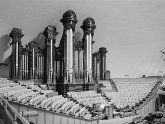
50,32
89,26
69,19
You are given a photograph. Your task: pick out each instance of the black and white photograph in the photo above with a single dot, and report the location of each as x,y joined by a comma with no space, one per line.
82,61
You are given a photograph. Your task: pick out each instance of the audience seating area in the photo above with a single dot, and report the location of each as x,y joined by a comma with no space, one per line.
28,95
129,95
131,92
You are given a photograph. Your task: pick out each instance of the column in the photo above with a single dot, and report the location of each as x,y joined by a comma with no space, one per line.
50,35
69,21
88,28
16,35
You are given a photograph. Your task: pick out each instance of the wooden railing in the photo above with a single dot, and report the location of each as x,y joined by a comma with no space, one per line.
14,116
148,106
51,117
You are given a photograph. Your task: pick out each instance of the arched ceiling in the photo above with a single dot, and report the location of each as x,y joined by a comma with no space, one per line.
133,31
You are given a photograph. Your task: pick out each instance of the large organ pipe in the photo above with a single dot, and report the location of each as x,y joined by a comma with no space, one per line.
27,66
82,62
76,63
51,59
90,56
87,58
16,60
67,63
95,66
103,67
33,63
88,28
42,67
37,67
22,66
71,54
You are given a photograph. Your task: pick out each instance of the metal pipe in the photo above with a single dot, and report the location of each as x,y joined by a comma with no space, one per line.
51,59
67,63
33,64
87,58
43,67
71,54
27,66
16,60
39,62
37,66
78,62
22,66
90,57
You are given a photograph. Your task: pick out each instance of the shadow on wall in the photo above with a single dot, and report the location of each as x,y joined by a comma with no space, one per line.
4,41
4,71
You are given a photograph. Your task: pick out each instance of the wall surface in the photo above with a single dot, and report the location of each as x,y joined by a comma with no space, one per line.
133,31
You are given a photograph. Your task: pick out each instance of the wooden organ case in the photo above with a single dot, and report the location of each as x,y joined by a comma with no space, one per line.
70,66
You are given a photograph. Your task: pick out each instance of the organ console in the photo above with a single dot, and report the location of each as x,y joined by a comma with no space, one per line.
70,64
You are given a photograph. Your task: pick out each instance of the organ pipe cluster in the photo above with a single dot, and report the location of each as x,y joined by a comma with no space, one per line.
64,64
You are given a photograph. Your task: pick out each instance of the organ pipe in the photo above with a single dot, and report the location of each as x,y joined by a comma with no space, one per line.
22,66
88,28
50,33
51,59
27,66
67,52
16,60
71,55
33,70
69,21
39,67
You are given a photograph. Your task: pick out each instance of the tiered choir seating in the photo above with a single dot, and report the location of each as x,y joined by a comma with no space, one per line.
39,99
131,91
106,85
26,82
88,98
